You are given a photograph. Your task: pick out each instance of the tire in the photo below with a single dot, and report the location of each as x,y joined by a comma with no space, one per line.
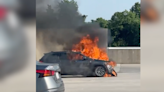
99,71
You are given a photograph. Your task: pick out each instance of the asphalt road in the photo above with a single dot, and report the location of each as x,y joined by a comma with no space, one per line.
128,80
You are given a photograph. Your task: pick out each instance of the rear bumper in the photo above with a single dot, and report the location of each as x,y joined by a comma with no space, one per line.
59,89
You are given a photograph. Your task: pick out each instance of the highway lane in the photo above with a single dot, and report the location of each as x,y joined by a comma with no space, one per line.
128,80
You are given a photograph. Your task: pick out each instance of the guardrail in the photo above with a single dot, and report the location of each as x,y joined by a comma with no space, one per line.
124,55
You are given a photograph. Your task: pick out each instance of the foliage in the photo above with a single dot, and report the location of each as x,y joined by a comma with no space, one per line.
124,27
136,8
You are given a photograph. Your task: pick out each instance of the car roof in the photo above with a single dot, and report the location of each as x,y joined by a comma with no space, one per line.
55,52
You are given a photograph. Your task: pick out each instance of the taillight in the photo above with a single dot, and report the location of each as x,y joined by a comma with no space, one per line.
41,61
2,12
45,73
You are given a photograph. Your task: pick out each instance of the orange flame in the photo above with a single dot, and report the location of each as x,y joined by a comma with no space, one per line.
89,48
109,75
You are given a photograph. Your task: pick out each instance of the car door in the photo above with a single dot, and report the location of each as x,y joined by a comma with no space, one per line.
66,66
84,66
80,63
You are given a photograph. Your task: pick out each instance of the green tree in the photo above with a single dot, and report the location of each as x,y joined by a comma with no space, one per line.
124,27
136,8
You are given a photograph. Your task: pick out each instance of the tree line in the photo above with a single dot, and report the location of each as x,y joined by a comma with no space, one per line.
124,26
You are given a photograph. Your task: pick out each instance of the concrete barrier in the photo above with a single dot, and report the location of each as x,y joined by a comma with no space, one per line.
124,55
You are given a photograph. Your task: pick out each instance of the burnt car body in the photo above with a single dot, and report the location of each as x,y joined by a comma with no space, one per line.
75,63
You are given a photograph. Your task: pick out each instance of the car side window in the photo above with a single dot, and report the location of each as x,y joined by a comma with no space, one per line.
63,56
53,58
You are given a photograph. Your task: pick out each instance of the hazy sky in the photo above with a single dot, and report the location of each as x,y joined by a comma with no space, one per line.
103,8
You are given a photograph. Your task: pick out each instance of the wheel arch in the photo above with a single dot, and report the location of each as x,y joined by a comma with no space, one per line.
96,65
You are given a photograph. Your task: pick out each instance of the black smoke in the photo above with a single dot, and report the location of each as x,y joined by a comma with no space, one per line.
60,25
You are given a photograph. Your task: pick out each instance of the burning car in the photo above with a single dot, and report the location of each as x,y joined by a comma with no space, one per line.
85,57
75,63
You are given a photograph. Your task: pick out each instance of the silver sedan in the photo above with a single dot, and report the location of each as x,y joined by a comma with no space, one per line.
48,78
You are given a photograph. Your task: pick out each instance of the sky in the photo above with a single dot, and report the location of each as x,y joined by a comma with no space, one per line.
103,8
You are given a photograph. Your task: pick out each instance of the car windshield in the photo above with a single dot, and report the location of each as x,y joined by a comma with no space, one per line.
85,56
75,56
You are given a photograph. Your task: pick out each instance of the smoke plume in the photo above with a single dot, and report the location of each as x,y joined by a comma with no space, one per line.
60,25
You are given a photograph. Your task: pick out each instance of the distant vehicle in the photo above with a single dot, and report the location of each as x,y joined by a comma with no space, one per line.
75,63
48,78
13,41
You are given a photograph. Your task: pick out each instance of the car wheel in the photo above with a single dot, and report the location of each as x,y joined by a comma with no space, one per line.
99,71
